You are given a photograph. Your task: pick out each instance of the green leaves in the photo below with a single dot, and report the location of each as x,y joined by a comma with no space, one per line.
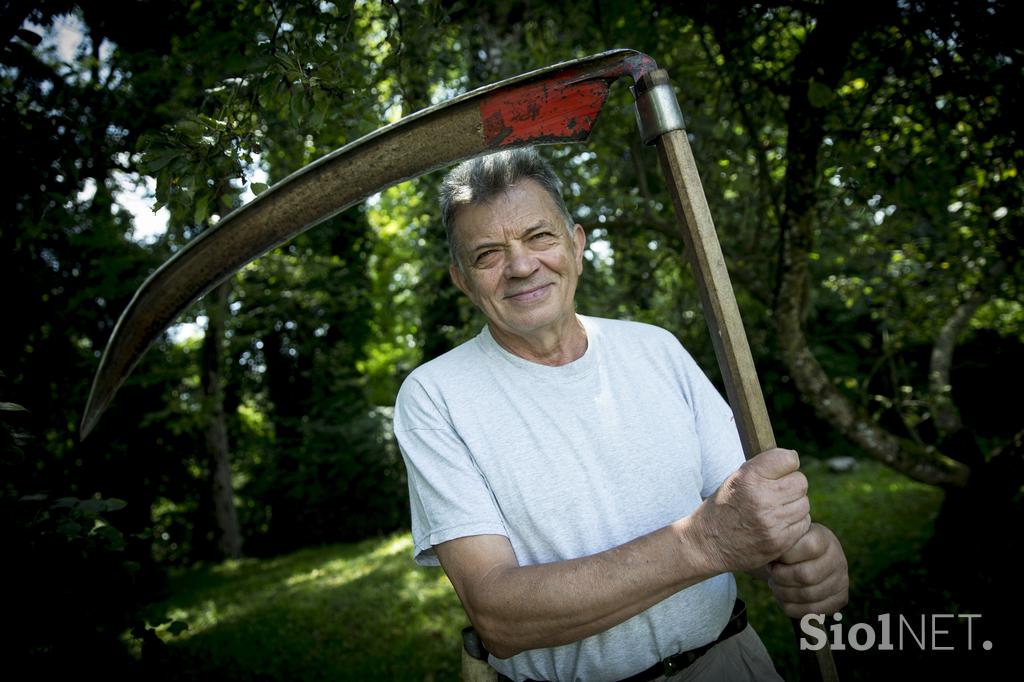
82,521
202,208
155,161
819,94
177,627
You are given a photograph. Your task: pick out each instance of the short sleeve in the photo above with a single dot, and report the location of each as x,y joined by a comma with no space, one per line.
448,496
720,446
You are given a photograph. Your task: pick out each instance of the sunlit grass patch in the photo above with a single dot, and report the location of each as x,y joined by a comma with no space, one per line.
362,611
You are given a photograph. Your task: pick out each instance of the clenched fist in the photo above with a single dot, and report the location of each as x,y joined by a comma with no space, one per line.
812,575
757,514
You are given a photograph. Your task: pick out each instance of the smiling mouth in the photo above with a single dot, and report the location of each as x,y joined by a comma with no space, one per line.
529,294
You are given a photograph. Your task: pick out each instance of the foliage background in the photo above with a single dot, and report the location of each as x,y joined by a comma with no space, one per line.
862,165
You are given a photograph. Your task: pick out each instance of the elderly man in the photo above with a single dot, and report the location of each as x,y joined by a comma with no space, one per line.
580,480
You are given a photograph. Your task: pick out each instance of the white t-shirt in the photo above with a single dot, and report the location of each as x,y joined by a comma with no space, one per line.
569,461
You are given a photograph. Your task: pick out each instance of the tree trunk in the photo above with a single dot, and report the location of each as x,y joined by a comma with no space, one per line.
920,463
821,62
230,540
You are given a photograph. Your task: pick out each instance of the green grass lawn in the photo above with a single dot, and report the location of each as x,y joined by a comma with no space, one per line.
344,612
364,611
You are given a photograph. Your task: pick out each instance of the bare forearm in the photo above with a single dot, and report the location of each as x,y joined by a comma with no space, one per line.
518,608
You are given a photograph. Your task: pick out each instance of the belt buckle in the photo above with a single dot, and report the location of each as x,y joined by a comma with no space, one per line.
673,664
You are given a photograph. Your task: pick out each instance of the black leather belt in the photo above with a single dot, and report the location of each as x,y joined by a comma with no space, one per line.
667,667
673,664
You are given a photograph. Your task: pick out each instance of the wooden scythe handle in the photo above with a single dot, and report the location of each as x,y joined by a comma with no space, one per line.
721,312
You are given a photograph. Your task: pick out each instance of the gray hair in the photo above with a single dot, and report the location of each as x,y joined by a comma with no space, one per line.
484,178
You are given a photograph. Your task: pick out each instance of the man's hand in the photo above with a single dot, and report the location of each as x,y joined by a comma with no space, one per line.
757,514
811,577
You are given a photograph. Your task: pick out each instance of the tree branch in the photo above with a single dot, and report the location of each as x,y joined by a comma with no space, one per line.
764,176
635,151
920,463
823,59
947,417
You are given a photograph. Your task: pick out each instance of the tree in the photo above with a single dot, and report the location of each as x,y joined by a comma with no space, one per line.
862,168
827,103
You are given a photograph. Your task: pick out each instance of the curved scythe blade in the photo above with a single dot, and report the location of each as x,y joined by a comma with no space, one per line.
555,104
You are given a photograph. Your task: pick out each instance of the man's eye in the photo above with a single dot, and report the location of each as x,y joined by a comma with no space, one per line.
485,257
543,235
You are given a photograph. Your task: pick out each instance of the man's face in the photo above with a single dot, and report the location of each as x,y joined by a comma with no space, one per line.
519,265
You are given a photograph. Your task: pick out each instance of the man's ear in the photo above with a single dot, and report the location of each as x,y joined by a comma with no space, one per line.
579,237
459,279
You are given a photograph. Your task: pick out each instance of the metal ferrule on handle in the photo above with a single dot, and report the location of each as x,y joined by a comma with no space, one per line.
657,109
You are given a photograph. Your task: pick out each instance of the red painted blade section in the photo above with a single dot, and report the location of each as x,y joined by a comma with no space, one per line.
556,107
542,112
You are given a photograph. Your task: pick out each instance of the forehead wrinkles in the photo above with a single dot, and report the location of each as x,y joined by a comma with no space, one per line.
506,215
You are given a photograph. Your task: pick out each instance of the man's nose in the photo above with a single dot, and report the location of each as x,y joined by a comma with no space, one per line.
521,262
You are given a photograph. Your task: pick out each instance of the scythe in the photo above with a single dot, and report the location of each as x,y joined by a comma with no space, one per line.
559,103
